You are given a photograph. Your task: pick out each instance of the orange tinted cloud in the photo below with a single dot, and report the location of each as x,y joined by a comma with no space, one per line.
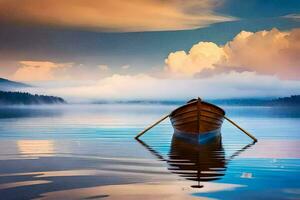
113,15
203,55
38,70
266,52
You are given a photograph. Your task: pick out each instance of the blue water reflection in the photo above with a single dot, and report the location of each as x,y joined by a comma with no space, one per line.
46,151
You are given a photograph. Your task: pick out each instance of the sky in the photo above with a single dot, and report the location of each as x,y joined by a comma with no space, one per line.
152,49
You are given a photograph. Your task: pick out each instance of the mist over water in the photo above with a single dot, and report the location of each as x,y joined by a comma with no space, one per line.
88,151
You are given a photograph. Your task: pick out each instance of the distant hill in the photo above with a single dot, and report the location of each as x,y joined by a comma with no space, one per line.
293,100
6,84
21,98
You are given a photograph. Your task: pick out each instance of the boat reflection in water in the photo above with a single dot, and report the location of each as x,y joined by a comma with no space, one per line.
197,162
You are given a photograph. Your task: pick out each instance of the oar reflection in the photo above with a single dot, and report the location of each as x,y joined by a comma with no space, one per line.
201,163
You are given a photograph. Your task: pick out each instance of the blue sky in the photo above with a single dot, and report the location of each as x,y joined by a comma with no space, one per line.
142,51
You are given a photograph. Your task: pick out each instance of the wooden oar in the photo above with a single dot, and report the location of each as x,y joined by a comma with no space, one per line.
151,126
163,118
232,122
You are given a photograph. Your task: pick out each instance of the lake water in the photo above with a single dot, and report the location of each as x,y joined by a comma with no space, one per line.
88,152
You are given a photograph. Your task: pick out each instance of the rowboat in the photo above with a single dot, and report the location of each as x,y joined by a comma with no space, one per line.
197,121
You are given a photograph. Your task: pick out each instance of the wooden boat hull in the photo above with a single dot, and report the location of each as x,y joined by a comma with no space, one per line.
197,121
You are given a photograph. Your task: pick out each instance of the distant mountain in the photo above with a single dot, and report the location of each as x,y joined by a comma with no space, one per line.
6,84
21,98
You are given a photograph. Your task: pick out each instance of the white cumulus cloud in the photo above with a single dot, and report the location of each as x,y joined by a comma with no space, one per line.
204,55
265,52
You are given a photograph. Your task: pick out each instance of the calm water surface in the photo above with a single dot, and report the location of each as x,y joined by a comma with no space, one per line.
88,152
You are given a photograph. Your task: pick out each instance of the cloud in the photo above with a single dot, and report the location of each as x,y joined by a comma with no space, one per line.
39,70
103,68
125,67
114,15
265,52
295,17
203,55
142,86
